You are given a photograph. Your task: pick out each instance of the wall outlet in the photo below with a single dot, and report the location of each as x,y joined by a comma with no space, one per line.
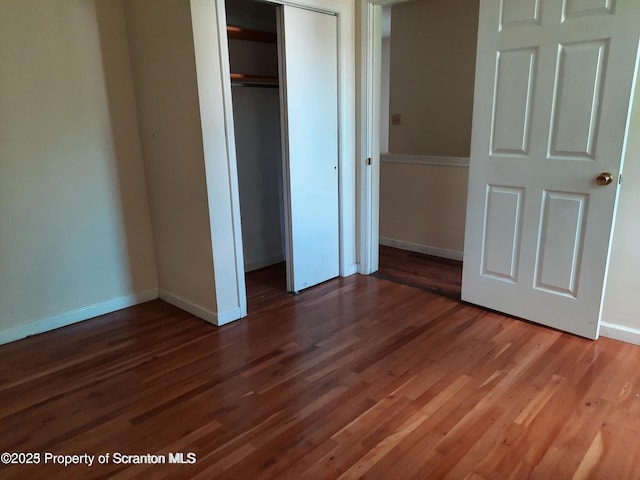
396,119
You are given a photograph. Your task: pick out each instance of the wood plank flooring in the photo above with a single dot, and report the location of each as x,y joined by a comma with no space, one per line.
435,274
356,378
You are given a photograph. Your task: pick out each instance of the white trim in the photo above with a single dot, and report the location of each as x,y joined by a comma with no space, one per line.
425,160
419,248
620,332
228,316
368,145
188,306
217,318
265,262
74,316
350,269
209,27
232,169
286,161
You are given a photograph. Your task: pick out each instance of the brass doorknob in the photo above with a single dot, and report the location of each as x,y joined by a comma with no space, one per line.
604,179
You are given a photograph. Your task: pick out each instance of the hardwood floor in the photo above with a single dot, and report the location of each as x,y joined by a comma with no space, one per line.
356,378
434,274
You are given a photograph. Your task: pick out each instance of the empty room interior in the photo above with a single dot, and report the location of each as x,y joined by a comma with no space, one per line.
319,239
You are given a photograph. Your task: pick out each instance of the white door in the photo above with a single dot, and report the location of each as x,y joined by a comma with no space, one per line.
552,95
309,89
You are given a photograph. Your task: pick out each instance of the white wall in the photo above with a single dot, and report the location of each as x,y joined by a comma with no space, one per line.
164,72
75,235
423,206
621,312
432,65
257,129
385,67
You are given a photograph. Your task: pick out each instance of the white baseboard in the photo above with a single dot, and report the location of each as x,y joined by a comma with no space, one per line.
75,316
188,306
251,266
620,332
350,270
228,316
217,318
419,248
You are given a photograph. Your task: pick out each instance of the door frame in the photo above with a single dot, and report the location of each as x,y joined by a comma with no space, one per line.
369,72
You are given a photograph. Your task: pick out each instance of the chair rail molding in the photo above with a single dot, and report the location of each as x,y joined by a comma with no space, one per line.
428,160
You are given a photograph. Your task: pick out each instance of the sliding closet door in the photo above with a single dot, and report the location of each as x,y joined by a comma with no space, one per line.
309,90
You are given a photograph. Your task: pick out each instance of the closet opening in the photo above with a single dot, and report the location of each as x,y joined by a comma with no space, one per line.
255,88
283,63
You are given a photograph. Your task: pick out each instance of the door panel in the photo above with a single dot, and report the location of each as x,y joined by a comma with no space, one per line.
560,245
503,223
576,99
309,89
515,79
578,8
516,13
552,94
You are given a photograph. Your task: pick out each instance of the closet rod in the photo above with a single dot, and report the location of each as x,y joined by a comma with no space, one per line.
258,85
257,80
238,33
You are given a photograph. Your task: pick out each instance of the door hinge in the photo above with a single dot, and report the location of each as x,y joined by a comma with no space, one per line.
620,179
369,161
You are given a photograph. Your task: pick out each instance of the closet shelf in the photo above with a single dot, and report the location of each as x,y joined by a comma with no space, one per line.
242,79
238,33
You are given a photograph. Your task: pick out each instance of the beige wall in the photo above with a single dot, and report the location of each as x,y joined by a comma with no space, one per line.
164,71
74,222
433,53
622,299
432,50
423,205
